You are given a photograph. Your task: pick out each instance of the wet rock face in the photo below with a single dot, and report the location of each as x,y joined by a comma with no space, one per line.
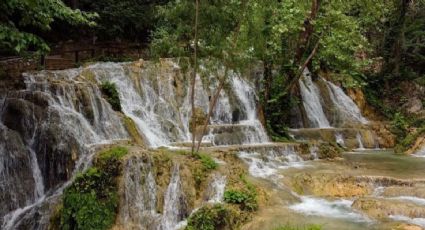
29,120
17,182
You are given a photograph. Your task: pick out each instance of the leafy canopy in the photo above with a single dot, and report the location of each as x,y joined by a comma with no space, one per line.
21,19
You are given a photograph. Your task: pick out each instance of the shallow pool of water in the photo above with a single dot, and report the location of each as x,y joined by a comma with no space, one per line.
285,206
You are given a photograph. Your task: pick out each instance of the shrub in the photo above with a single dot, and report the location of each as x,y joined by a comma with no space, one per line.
110,91
91,201
246,199
207,161
214,217
399,125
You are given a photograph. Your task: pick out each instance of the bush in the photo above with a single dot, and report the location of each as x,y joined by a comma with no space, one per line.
214,217
110,91
91,201
409,140
399,125
246,199
207,161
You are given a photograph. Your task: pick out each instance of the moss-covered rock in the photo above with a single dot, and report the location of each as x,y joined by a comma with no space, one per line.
133,131
91,202
329,151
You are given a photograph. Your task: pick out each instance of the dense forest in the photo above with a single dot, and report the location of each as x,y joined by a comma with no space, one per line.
220,92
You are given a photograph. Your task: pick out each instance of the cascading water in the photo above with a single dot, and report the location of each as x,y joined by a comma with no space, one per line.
359,141
347,109
246,95
57,118
339,139
138,204
311,101
216,188
175,207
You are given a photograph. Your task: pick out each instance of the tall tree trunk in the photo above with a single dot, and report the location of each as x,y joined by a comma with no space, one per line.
211,107
195,69
305,35
219,88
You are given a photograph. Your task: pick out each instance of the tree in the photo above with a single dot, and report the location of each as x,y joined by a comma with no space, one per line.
130,20
218,30
20,20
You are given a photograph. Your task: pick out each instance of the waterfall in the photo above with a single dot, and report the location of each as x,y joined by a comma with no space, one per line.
311,101
55,122
216,188
246,95
157,98
266,163
347,109
339,139
175,207
138,204
359,140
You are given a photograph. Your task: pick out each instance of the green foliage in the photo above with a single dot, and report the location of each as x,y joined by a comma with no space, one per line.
207,161
20,18
125,19
409,140
113,154
308,227
213,217
208,164
110,91
246,199
91,201
399,125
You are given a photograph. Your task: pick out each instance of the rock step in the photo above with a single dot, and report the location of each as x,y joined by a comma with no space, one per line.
349,135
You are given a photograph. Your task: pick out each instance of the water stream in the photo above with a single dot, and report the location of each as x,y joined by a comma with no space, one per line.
50,130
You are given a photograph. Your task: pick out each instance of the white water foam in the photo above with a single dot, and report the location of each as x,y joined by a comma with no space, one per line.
348,110
217,187
340,209
311,101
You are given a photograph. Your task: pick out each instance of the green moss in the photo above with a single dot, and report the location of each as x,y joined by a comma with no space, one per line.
115,153
110,91
218,216
133,131
91,201
308,227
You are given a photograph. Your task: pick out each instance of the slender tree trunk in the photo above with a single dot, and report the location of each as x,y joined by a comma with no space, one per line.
220,85
211,106
305,35
302,68
195,69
